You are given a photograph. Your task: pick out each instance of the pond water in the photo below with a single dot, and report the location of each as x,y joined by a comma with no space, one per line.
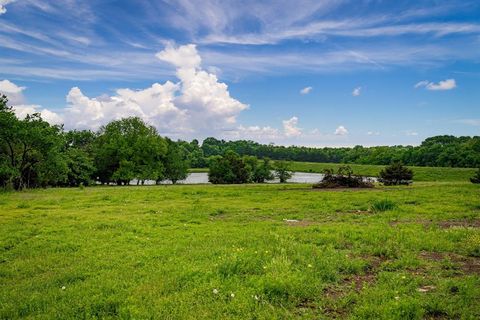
202,178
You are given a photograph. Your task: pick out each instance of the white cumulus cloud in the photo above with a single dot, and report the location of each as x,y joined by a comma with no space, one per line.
22,110
290,127
197,104
341,131
306,90
181,57
357,91
3,4
447,84
13,92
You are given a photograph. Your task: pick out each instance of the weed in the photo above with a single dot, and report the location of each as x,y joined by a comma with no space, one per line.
383,205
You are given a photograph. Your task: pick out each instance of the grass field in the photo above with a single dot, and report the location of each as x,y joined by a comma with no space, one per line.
226,252
420,173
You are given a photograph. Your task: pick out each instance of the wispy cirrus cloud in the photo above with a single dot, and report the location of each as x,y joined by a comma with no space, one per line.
470,122
327,32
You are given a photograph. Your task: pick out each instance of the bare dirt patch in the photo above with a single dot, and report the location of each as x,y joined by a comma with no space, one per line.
446,224
459,223
299,223
469,265
356,281
416,221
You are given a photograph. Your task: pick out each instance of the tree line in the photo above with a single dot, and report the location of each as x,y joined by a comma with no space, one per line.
34,153
438,151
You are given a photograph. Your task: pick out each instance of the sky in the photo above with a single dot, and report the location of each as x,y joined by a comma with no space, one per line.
304,72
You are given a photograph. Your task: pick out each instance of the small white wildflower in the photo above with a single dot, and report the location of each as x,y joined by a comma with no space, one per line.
397,298
63,288
232,295
403,277
215,291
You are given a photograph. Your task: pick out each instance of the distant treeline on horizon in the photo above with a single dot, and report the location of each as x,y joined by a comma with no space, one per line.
34,153
438,151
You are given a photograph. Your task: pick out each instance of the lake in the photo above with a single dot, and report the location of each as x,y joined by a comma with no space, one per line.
202,178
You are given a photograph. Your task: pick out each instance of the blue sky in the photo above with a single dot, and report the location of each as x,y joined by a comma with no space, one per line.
317,73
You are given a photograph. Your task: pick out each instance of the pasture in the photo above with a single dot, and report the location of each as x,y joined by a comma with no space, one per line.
241,252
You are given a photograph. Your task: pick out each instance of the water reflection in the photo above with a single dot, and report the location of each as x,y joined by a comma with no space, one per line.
202,178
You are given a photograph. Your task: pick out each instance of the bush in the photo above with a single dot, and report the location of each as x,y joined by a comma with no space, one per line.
282,170
228,169
476,177
344,178
396,174
383,205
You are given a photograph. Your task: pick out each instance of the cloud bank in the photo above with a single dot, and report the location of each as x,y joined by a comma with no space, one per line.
198,102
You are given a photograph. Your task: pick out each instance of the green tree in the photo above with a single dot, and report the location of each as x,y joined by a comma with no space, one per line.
176,163
127,149
80,167
229,168
30,151
79,157
263,171
282,170
396,174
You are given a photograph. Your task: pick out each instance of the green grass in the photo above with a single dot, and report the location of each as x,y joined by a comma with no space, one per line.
382,205
283,251
420,173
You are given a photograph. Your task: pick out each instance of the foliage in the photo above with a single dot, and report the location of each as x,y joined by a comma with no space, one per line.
260,171
150,252
282,170
263,171
80,167
176,163
421,173
476,177
30,151
128,148
442,151
79,157
344,178
227,169
383,205
396,174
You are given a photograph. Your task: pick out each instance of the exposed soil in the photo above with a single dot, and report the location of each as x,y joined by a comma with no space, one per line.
459,223
469,265
299,223
446,224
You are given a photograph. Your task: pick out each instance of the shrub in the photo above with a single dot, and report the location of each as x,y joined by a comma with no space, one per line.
344,178
396,174
227,169
282,170
476,177
383,205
